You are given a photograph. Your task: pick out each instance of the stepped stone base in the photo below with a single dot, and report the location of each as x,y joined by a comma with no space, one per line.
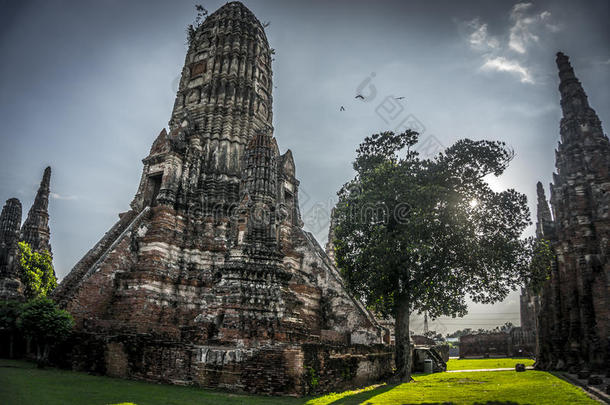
274,369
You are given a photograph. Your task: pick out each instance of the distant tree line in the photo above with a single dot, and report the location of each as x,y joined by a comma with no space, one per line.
468,331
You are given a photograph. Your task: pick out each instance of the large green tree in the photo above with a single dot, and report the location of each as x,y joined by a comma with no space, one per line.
420,234
45,324
37,274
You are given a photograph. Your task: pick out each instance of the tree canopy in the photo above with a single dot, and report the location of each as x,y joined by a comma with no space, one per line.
539,269
415,234
37,272
459,333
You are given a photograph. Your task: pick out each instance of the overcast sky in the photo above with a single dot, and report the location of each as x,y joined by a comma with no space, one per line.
85,86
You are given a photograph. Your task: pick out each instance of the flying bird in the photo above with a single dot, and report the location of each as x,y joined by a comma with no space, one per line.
342,108
399,98
360,96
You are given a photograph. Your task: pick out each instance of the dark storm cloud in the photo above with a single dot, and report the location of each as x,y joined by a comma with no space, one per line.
86,87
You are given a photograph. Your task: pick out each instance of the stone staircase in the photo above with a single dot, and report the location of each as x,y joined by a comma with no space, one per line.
93,257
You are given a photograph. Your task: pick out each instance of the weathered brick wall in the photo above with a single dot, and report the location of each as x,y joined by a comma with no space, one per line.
485,345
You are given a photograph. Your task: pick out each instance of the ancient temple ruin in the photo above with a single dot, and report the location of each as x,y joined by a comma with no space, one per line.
574,318
209,279
35,231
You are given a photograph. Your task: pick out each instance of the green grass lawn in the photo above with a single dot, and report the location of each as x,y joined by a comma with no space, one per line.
21,383
481,364
497,387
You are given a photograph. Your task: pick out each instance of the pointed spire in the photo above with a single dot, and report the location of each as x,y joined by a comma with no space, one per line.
330,244
574,101
543,211
35,230
426,323
583,145
566,72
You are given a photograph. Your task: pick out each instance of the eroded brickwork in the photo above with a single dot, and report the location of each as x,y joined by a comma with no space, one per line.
210,278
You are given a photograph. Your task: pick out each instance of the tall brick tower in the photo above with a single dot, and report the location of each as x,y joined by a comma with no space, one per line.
210,278
223,99
575,314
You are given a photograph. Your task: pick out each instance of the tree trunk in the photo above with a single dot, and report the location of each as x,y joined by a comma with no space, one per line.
45,354
11,347
403,342
39,356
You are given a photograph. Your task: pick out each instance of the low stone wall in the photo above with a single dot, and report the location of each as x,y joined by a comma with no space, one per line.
279,369
337,367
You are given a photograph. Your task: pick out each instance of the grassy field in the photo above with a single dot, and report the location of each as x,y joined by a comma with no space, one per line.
21,383
482,364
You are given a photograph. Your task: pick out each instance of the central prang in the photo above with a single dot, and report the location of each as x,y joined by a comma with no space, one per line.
210,277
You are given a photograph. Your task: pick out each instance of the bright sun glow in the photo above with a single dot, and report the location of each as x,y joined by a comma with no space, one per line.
473,203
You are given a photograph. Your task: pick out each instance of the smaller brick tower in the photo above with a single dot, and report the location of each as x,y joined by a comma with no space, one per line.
10,221
35,232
